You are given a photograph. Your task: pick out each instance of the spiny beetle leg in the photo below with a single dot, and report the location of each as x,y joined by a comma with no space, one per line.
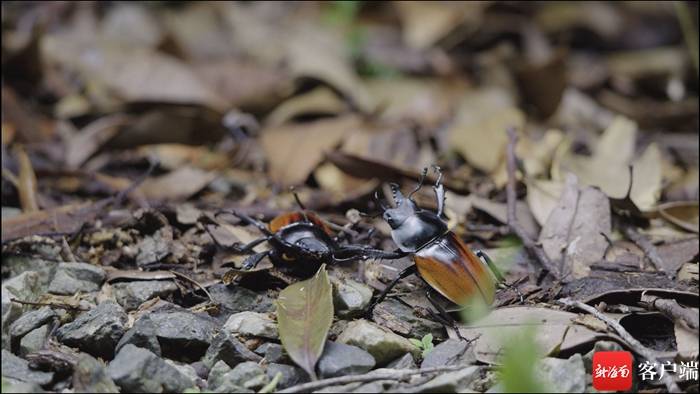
485,258
514,286
499,276
408,271
247,219
247,248
252,261
442,316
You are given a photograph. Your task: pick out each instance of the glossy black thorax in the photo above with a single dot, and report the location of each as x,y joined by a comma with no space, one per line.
312,248
418,230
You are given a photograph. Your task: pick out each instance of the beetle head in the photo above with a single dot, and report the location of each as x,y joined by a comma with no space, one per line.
404,209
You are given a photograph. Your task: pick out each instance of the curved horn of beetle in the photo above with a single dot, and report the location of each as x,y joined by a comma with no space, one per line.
379,201
396,194
439,191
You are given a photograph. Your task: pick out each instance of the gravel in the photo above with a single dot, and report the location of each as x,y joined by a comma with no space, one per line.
71,278
138,370
339,359
97,331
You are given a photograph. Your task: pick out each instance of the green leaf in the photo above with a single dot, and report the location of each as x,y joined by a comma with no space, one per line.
272,386
517,371
416,343
304,316
427,341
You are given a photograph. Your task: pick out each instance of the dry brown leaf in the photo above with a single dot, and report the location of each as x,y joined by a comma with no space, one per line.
196,31
131,25
177,185
320,101
574,234
608,167
499,211
491,331
427,102
683,214
91,138
64,219
542,83
246,85
678,252
425,22
542,197
330,178
686,341
293,151
536,156
173,156
319,54
187,213
26,181
134,74
479,130
394,148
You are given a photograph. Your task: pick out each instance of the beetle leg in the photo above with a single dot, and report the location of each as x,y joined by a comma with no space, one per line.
499,276
298,200
363,252
247,248
423,174
248,220
439,192
442,316
486,259
408,271
252,261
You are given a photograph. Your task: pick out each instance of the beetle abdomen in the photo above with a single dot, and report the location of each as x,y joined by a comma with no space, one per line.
451,268
288,218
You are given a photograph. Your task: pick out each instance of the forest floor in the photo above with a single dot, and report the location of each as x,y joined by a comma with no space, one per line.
135,137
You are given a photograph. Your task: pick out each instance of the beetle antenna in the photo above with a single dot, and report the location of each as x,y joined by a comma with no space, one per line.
423,174
296,198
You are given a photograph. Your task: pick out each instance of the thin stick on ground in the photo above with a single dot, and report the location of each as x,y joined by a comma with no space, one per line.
672,309
634,344
52,304
397,375
187,278
530,245
649,249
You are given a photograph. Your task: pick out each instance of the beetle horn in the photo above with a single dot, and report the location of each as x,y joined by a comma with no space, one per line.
396,193
379,201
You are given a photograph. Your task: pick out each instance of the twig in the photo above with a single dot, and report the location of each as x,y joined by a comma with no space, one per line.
397,374
634,344
649,249
689,34
501,230
53,304
672,309
183,276
530,245
67,252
